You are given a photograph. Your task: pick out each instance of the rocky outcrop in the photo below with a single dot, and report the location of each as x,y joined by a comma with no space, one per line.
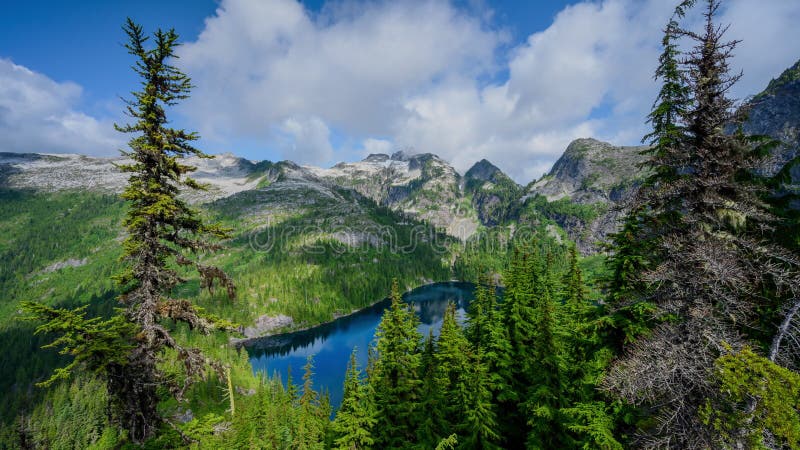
225,174
495,196
592,171
775,112
422,186
598,175
267,324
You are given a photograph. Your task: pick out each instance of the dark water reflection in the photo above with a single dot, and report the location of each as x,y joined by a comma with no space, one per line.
332,343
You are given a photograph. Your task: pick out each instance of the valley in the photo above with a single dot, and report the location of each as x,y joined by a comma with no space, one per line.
632,296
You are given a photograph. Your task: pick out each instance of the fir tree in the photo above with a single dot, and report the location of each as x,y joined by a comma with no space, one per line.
313,412
518,319
544,394
431,409
479,425
574,289
354,421
163,231
395,378
711,267
451,370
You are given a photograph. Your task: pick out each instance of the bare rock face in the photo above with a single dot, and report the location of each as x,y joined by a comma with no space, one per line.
495,196
422,186
592,171
597,175
775,112
71,262
266,324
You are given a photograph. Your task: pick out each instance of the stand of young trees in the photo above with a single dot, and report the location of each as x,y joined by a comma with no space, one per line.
521,373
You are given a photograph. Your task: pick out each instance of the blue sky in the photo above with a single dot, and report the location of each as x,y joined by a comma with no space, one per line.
81,41
323,81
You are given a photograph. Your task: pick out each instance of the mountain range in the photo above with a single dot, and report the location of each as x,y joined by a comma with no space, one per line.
596,175
584,193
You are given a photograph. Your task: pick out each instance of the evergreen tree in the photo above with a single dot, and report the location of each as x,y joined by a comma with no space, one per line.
633,250
395,378
518,319
478,315
354,421
431,409
479,425
314,413
544,394
710,267
163,232
451,370
574,288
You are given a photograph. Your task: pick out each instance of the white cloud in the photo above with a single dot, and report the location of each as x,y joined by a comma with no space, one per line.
594,55
372,145
260,62
365,77
305,140
38,114
770,39
589,74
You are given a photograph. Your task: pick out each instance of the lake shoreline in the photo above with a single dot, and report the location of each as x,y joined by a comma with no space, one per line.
244,342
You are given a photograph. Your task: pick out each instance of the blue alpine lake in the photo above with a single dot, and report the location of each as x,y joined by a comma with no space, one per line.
332,343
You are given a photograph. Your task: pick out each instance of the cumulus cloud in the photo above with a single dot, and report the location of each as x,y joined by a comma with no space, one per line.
38,114
413,74
593,55
770,40
372,145
363,77
259,63
305,140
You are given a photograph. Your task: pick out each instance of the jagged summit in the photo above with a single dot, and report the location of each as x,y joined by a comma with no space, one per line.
597,175
495,196
375,157
400,155
421,185
483,170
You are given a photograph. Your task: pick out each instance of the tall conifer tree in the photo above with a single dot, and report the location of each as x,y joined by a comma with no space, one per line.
354,421
163,232
711,263
396,378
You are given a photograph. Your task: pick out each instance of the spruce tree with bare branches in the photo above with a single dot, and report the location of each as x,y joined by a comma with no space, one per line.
712,267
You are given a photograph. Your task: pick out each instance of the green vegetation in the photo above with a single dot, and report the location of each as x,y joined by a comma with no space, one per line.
789,75
496,201
523,372
684,336
695,277
562,210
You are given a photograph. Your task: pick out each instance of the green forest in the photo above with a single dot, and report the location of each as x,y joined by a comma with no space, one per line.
684,332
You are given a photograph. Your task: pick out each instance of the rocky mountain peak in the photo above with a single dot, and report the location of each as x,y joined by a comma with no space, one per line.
597,175
483,170
375,158
401,155
775,112
592,169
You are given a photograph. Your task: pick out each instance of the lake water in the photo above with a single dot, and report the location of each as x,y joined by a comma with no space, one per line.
331,344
